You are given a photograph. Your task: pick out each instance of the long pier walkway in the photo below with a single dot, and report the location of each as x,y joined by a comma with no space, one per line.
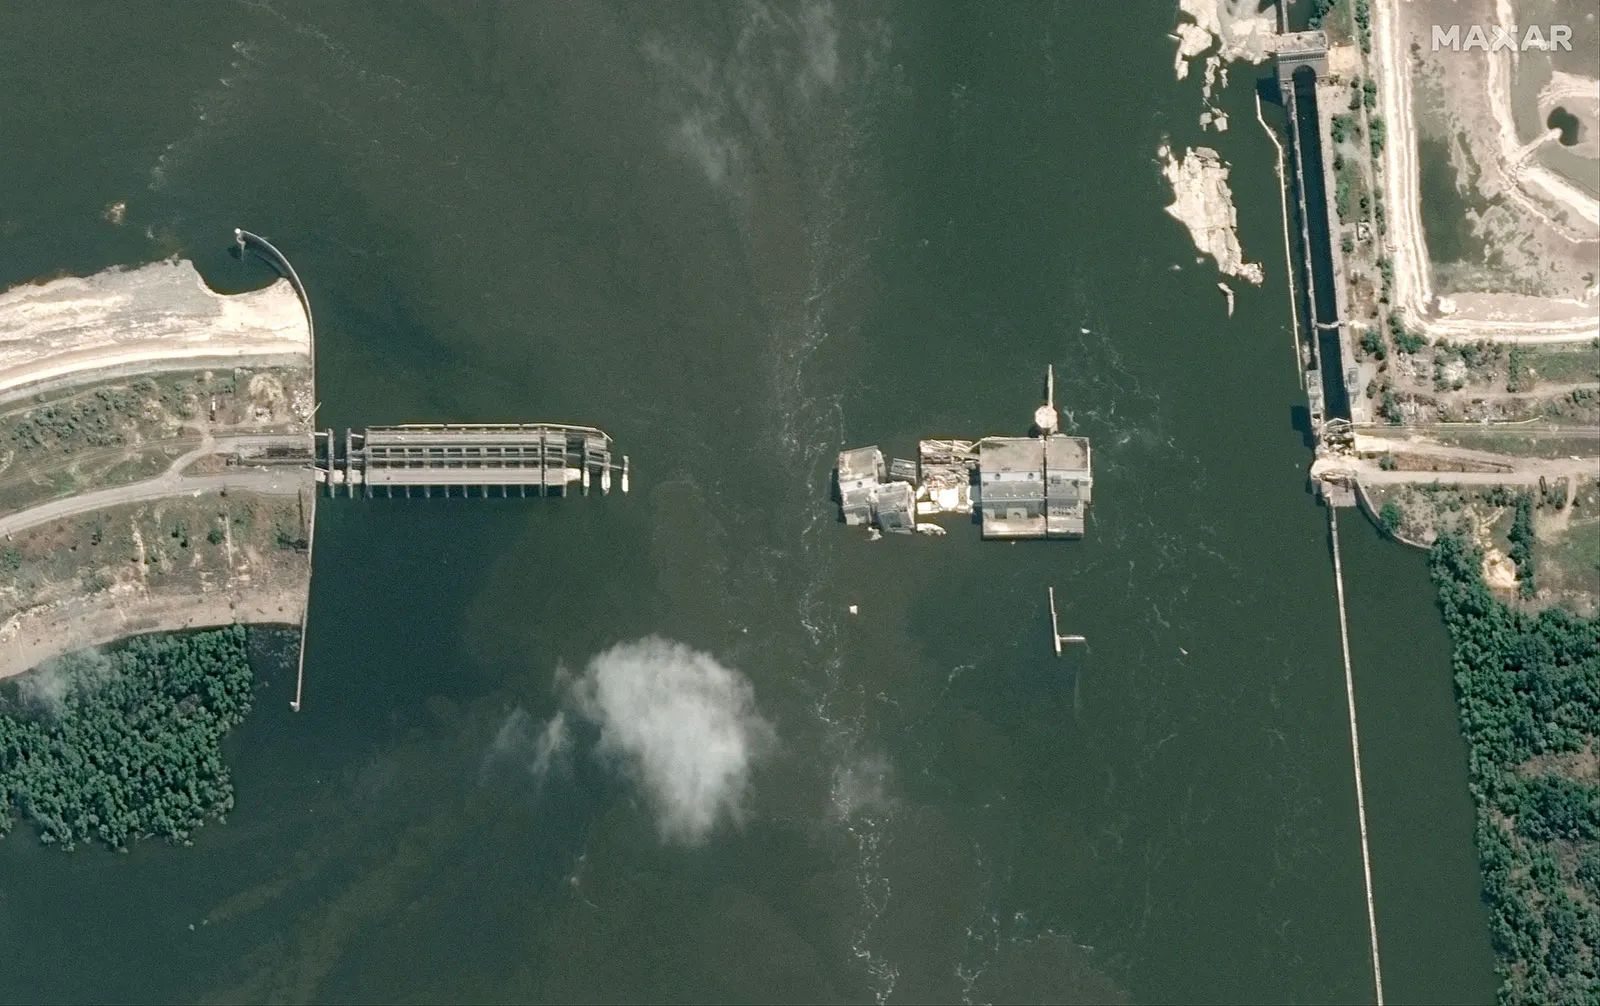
1355,751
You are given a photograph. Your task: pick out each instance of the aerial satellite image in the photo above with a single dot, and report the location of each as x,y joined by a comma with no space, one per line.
800,501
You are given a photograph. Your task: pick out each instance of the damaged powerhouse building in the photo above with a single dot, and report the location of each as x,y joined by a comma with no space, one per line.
1020,487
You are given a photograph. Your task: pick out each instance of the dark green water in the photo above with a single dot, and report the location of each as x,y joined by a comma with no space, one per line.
740,237
1445,225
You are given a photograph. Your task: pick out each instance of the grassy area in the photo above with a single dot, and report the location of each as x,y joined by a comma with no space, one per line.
130,411
184,542
1565,560
120,431
1527,444
46,478
1569,562
1568,365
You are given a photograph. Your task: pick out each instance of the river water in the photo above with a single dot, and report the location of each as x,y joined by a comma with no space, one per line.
740,237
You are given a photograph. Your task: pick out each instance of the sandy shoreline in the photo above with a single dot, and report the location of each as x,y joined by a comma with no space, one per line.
31,637
123,319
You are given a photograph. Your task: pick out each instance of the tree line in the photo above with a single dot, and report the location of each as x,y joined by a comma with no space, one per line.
1528,687
128,745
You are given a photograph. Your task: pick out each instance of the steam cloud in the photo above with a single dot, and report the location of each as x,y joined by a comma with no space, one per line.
685,726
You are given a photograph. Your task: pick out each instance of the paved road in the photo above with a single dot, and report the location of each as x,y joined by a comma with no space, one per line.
283,480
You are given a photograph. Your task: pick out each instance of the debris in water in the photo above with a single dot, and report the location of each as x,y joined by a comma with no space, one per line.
1203,203
1228,291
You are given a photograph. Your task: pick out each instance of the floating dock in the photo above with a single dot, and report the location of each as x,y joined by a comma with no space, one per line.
436,459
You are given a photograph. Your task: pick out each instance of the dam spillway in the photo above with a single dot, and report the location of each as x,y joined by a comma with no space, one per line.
438,458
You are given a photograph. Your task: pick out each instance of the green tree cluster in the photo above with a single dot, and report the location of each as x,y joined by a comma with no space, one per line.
1521,538
1529,692
1391,516
1372,343
1319,12
129,745
91,421
1341,196
1404,341
1390,408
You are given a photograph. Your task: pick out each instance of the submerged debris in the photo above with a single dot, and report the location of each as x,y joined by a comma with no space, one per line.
1204,204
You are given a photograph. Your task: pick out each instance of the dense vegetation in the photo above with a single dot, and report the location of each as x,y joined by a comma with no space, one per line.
1529,692
126,745
91,421
1521,538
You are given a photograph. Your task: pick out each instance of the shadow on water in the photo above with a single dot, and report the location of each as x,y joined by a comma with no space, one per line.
1300,422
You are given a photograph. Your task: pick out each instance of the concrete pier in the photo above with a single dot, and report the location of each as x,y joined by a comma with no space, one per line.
549,458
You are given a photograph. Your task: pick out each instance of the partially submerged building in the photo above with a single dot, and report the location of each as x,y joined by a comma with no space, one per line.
860,472
869,497
1034,487
1021,487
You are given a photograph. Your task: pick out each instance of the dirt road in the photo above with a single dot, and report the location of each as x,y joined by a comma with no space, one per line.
1510,470
284,480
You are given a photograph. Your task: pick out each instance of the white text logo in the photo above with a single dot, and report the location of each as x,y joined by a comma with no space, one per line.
1494,38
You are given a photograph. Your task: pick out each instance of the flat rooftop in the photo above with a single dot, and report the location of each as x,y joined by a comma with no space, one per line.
1030,454
861,463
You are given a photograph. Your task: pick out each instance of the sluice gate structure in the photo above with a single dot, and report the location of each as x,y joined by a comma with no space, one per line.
1301,61
469,459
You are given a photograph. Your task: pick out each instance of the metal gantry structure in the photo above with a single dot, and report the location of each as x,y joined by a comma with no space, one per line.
440,458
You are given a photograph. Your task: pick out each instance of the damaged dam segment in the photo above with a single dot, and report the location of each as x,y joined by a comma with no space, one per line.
1203,203
1020,487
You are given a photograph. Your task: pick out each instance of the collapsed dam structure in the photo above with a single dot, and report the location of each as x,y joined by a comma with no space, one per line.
1037,486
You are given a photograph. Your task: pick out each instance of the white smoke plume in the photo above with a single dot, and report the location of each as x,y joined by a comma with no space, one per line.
686,727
